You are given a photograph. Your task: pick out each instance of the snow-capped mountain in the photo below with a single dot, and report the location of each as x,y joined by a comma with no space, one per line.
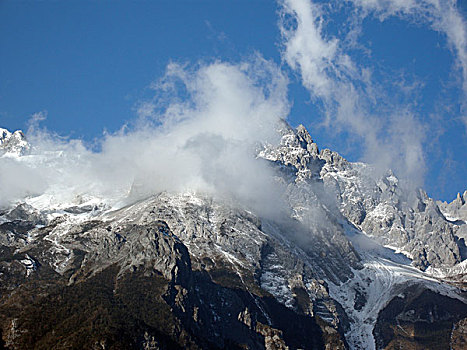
352,261
457,209
13,144
396,216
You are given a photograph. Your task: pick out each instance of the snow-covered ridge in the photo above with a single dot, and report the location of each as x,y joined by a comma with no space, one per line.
339,239
382,207
455,210
385,207
13,144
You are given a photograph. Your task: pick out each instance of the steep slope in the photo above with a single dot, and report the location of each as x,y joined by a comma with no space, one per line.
13,144
385,208
393,229
221,280
338,267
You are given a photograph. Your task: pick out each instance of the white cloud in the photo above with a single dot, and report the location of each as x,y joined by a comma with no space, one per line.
347,92
442,16
199,133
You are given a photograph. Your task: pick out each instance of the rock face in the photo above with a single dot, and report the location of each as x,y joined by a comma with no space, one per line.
13,144
395,214
456,214
457,209
186,270
206,277
422,319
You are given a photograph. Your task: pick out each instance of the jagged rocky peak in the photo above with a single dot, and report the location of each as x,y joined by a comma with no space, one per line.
299,143
306,140
13,144
461,199
4,134
296,150
303,133
385,207
457,209
333,159
333,270
298,138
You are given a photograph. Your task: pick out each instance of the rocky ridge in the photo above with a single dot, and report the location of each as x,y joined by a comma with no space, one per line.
13,144
185,270
384,208
457,209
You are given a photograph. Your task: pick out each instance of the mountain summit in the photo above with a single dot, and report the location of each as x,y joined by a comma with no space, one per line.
13,144
350,260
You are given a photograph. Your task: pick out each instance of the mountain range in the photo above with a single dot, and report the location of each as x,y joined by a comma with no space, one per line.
354,258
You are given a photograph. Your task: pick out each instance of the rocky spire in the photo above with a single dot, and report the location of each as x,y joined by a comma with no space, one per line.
306,141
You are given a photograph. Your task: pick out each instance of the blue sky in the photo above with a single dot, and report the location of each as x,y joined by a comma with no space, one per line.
88,65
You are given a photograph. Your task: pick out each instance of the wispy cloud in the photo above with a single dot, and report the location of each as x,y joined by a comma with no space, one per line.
442,16
199,133
391,137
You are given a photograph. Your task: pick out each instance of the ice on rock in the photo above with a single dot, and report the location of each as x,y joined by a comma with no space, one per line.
13,144
346,238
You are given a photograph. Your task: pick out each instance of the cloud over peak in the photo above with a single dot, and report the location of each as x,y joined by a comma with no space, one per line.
391,131
199,133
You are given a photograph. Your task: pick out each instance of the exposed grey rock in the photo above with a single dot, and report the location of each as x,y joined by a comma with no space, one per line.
13,144
25,213
393,212
230,276
418,314
223,269
456,211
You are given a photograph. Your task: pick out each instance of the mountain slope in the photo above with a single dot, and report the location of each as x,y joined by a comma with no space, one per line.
338,267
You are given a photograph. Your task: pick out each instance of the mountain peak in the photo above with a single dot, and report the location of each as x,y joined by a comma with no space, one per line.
461,198
13,144
4,135
340,246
